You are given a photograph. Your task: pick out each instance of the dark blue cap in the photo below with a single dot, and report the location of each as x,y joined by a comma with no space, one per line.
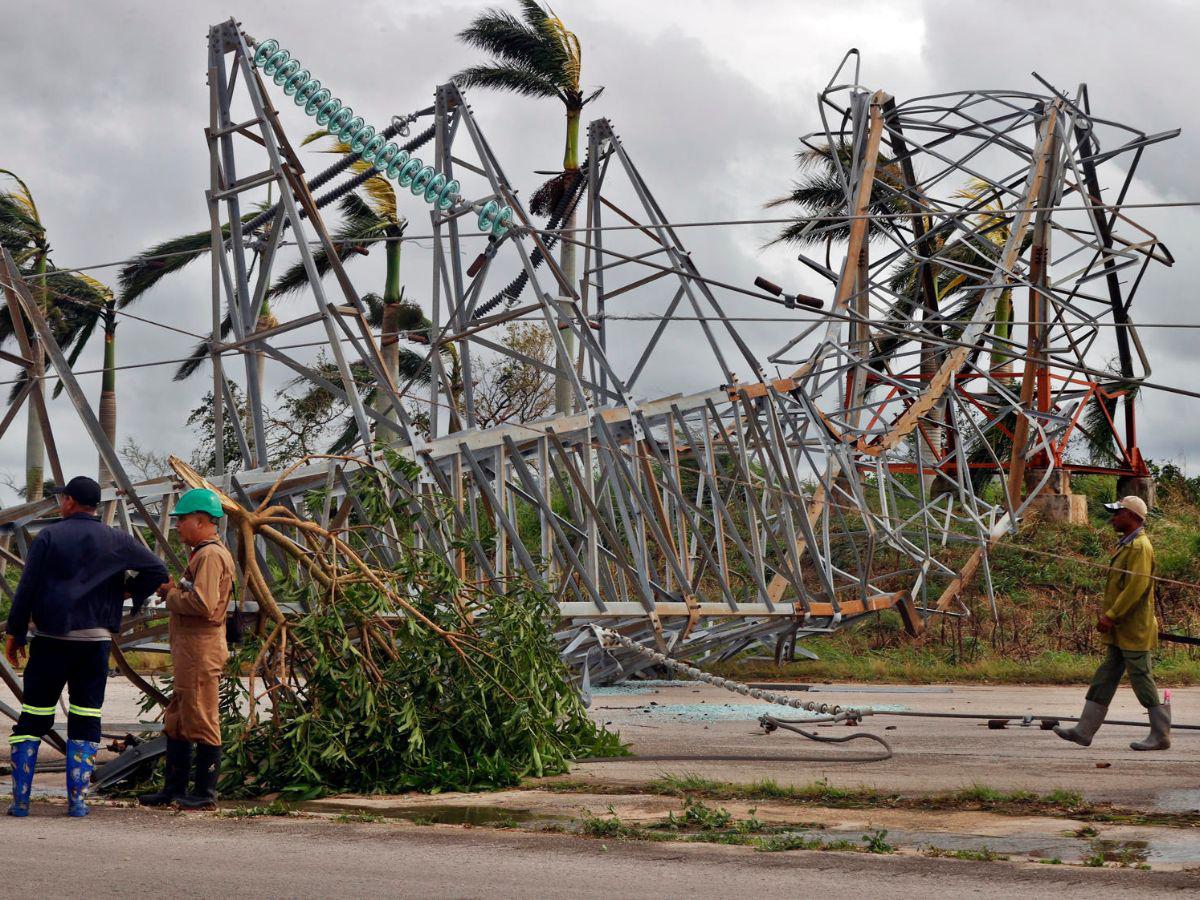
83,490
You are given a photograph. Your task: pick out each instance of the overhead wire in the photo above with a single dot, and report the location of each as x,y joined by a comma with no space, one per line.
692,224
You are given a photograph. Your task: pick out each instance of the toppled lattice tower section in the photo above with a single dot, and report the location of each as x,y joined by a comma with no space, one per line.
978,284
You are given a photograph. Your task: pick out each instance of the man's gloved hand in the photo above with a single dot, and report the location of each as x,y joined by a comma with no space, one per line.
1104,624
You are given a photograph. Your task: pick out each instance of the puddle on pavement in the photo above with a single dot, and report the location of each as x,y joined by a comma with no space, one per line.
1166,847
1178,801
1128,853
433,815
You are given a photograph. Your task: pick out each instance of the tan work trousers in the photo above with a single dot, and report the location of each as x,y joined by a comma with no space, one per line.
198,655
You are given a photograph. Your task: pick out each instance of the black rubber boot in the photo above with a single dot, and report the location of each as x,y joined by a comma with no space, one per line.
175,777
208,769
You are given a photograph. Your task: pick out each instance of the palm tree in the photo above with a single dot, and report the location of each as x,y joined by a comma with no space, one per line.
368,215
537,56
24,236
174,255
962,265
306,414
100,310
824,213
72,304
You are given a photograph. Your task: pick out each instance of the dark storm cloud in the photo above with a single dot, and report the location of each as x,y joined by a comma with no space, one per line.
107,102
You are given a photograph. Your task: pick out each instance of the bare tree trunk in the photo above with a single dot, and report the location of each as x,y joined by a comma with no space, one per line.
35,445
564,402
266,320
108,396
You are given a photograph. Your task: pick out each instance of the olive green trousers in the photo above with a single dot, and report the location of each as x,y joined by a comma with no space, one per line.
1137,663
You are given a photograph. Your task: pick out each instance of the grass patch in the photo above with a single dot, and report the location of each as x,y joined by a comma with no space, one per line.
697,822
980,793
820,791
274,808
778,843
609,826
351,818
980,854
697,814
876,841
1058,802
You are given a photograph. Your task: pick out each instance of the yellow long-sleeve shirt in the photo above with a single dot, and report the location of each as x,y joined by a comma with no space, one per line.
1129,597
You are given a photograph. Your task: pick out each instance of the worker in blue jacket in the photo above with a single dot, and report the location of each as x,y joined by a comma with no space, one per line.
72,588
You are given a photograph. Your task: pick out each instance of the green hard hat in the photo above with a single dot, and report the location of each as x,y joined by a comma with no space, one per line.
199,500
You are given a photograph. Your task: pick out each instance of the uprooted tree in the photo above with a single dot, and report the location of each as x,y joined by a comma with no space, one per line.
376,667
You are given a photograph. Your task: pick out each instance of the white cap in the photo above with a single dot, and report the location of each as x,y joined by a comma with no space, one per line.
1135,505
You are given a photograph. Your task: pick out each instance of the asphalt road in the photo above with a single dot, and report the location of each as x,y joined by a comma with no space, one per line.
120,852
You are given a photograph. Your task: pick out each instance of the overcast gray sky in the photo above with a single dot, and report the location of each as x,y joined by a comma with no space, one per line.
107,102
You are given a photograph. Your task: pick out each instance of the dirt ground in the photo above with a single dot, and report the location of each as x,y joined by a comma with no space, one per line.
500,844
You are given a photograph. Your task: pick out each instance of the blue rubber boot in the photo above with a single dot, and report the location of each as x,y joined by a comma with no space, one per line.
81,760
24,761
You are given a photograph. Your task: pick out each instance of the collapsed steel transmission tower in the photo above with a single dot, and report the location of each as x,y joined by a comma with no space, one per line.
762,507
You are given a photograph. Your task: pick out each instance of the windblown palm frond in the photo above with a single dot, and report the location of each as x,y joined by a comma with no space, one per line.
377,188
78,304
535,56
200,352
21,231
517,79
1096,424
821,196
359,226
164,259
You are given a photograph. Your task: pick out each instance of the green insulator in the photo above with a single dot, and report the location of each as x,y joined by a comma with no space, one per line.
361,138
339,119
297,81
396,166
327,111
422,180
286,71
350,129
446,198
503,221
386,154
265,51
317,100
307,91
434,188
370,152
488,215
411,168
277,59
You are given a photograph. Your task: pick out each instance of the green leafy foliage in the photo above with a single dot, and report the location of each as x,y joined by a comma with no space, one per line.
373,699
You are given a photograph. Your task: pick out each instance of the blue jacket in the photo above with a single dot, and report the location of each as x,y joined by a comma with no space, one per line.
74,577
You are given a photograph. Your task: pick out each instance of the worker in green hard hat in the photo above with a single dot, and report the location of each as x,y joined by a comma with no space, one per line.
198,603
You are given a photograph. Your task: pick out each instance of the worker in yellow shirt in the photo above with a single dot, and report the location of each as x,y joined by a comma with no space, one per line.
1127,624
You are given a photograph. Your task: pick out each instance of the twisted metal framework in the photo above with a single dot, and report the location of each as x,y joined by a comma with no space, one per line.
765,507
